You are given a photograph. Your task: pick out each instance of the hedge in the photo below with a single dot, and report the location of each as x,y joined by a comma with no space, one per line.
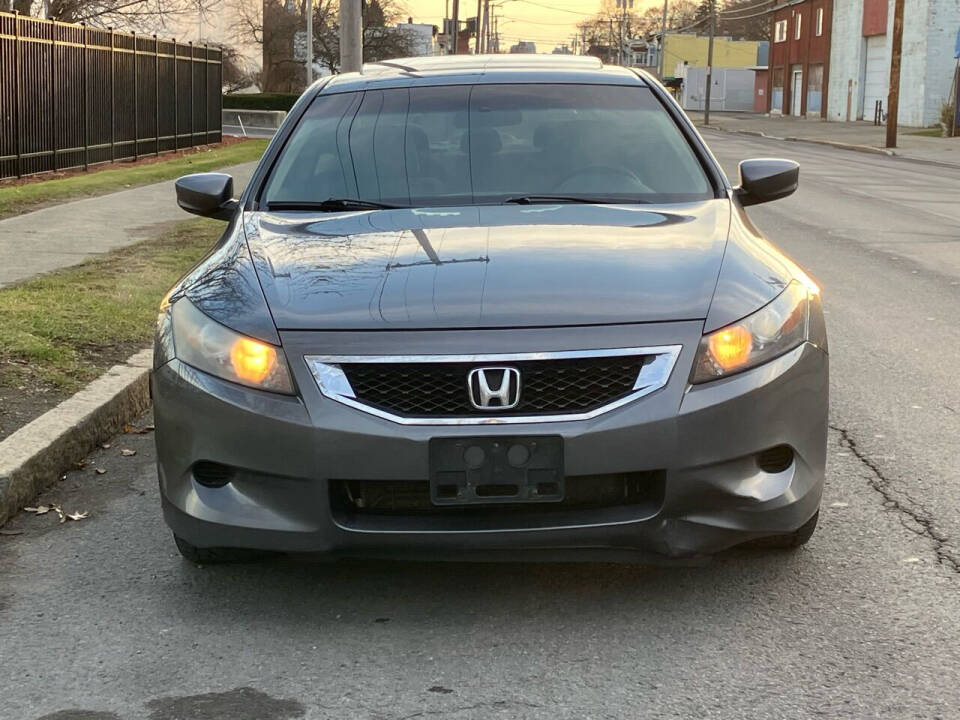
260,101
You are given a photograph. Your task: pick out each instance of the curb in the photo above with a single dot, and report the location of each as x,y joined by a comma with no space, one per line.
839,145
32,458
812,141
845,146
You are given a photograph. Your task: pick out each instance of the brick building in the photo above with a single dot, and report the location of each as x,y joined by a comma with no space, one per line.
800,34
860,59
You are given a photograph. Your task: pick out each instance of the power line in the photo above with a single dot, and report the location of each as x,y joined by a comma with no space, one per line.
745,9
557,9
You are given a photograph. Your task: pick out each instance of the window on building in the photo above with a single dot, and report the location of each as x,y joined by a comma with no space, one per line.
819,22
780,31
776,94
814,89
796,27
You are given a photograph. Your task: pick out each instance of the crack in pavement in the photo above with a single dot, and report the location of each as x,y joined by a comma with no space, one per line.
922,524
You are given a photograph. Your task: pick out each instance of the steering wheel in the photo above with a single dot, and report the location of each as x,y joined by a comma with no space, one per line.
605,170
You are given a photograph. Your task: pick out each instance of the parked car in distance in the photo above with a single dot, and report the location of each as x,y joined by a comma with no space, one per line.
479,307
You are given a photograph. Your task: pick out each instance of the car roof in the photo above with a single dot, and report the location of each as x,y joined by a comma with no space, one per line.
477,69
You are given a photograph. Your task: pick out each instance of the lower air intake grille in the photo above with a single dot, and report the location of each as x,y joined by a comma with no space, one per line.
412,497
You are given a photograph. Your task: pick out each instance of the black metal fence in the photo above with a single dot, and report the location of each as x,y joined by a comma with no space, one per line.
73,96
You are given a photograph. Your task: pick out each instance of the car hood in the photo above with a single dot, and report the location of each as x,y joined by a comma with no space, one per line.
489,266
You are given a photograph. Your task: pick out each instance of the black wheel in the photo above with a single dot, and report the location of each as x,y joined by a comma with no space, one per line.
793,540
214,556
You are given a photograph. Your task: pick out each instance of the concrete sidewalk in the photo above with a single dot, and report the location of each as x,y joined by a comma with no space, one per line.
69,233
853,135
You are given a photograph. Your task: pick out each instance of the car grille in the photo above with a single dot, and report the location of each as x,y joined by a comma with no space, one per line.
547,386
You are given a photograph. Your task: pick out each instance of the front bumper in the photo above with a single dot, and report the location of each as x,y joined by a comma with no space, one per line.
702,441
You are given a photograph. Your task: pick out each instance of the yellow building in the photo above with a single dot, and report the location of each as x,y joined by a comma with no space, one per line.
691,49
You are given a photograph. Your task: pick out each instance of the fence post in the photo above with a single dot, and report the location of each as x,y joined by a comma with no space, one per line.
206,93
220,95
113,94
156,91
176,98
193,136
86,102
136,102
17,90
53,91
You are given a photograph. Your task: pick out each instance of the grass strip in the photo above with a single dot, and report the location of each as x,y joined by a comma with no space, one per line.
17,199
63,329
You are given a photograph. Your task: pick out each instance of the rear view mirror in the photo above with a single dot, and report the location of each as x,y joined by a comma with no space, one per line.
766,179
207,194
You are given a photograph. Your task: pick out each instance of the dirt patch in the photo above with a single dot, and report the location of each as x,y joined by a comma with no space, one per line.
20,405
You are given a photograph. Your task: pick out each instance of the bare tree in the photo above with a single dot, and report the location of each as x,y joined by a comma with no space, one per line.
273,24
139,15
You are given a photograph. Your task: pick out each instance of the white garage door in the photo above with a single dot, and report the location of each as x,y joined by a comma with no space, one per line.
875,76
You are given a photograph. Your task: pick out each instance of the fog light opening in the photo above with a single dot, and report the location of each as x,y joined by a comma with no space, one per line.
212,474
775,459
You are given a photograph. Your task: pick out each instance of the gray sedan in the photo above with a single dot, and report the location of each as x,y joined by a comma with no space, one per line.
490,307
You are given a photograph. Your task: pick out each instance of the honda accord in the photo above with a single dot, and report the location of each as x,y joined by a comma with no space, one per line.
490,307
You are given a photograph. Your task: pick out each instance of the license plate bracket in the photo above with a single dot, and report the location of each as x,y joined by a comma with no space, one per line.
492,470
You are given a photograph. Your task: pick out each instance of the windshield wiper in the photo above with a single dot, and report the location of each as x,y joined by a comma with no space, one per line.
331,205
547,199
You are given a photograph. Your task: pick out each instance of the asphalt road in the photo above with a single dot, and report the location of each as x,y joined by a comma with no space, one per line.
101,619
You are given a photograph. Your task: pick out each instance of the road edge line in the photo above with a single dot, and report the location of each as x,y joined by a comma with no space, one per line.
36,455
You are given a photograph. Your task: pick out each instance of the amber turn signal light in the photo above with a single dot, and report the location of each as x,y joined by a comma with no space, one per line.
730,348
252,361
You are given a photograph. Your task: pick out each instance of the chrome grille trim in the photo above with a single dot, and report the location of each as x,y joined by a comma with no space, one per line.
333,382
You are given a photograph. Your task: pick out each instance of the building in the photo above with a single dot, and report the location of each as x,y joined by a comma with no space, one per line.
525,47
423,37
800,35
860,59
683,50
732,89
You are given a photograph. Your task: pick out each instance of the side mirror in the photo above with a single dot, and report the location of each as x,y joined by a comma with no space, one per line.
766,179
207,194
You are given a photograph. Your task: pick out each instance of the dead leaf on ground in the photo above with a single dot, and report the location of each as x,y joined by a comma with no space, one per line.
39,510
57,509
105,446
127,452
79,515
100,471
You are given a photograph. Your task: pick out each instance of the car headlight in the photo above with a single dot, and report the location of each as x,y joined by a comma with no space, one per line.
790,319
207,345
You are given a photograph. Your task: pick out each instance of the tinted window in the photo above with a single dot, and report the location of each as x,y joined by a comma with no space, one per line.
485,143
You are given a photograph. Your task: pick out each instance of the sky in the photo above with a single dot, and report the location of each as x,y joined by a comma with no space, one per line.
548,23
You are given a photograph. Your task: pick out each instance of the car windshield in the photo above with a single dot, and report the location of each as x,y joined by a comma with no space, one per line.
479,144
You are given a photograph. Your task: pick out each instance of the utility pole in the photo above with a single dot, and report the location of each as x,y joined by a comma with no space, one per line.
351,36
478,28
308,4
455,27
663,39
486,26
893,99
713,30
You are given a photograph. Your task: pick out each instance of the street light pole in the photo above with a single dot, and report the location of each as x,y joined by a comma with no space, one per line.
351,36
663,38
308,4
713,30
